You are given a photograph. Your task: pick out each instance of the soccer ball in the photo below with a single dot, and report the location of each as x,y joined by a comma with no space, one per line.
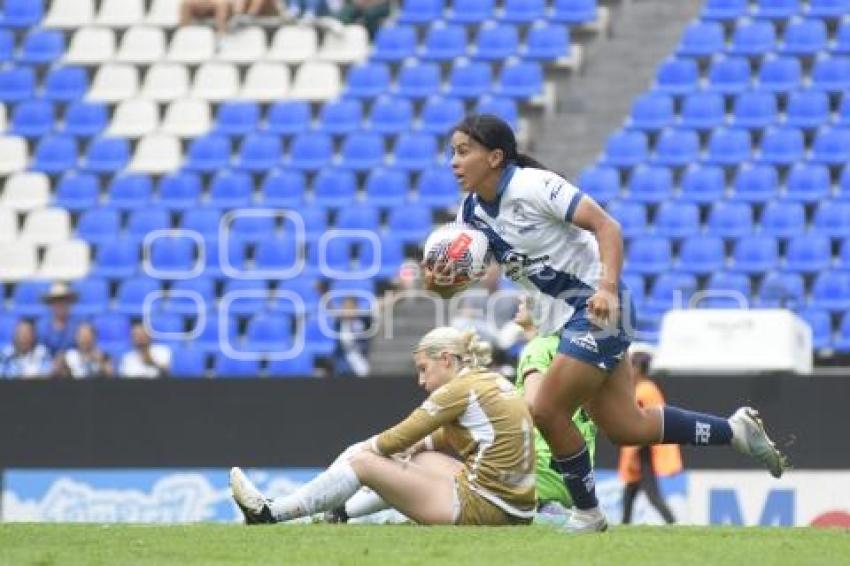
465,248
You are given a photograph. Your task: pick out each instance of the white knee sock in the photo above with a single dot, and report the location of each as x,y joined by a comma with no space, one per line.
326,491
364,502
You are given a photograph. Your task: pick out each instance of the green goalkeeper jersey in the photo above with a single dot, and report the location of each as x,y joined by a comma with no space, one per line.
537,356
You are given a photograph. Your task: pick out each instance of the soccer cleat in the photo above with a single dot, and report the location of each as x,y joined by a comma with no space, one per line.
336,515
749,437
254,506
584,521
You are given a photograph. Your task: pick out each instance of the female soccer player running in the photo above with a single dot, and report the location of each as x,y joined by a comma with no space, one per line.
470,411
568,252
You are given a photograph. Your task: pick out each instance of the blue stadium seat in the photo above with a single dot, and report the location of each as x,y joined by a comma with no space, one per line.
677,76
753,38
305,288
367,80
99,225
632,217
626,149
783,219
728,146
808,253
27,298
173,255
107,155
301,365
55,153
636,287
387,187
670,290
831,73
831,146
842,117
334,187
315,220
841,44
130,191
650,184
417,79
236,118
780,74
391,256
470,11
394,43
437,187
311,151
601,182
234,257
33,118
319,341
495,41
113,331
359,216
420,11
703,111
651,111
725,10
755,254
8,322
729,75
807,109
415,151
41,47
730,219
268,332
231,189
523,11
756,182
832,218
573,11
391,115
440,114
649,255
203,220
180,190
831,291
92,296
702,255
341,116
210,335
703,184
85,119
701,39
132,292
727,290
776,9
754,109
259,152
782,146
362,151
166,328
188,362
804,37
64,84
469,79
226,367
288,117
208,153
546,42
335,256
827,9
444,42
249,296
21,13
676,147
807,183
7,45
844,184
781,289
186,305
276,254
409,222
283,188
677,220
842,341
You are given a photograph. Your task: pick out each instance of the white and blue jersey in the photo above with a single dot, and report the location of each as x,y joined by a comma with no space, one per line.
530,230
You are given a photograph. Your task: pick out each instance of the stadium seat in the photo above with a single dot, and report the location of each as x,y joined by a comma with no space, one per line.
780,74
227,367
283,188
831,291
389,256
826,9
415,151
783,219
27,299
130,191
831,74
91,46
729,74
172,256
180,190
25,191
181,302
17,84
21,13
753,38
266,82
64,84
701,255
444,42
600,182
116,258
754,110
156,154
208,153
626,149
165,82
166,328
134,118
249,296
7,45
807,109
77,191
832,218
113,331
804,37
409,223
8,322
233,259
676,148
844,184
841,43
210,336
650,184
831,146
305,288
520,79
144,221
310,151
359,216
99,225
106,155
188,362
420,11
142,45
251,229
41,47
808,253
294,44
728,146
19,261
727,290
781,289
215,82
288,117
267,332
13,154
440,114
301,365
350,46
316,81
334,188
756,182
120,13
501,106
755,254
231,189
523,11
395,43
842,341
677,220
315,220
807,183
703,111
259,152
187,118
635,287
114,82
547,42
776,9
69,14
729,219
341,116
387,187
46,226
701,39
495,41
782,146
725,10
437,187
703,184
470,11
670,290
55,153
649,255
632,216
469,79
418,80
192,45
276,254
391,115
243,46
92,296
576,12
651,111
85,119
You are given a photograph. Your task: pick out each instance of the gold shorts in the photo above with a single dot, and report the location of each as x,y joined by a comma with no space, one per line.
475,510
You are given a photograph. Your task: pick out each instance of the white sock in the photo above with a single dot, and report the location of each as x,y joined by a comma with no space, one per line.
364,502
326,491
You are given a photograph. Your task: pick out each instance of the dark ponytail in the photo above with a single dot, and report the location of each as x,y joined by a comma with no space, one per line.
524,160
494,133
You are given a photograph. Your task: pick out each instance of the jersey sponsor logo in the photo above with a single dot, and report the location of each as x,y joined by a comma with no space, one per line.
519,265
586,342
702,433
555,190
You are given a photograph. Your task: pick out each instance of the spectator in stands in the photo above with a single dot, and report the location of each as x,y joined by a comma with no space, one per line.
351,355
145,360
58,331
85,359
641,466
24,357
226,13
370,13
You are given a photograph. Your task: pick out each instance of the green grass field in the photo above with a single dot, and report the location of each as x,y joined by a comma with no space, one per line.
46,544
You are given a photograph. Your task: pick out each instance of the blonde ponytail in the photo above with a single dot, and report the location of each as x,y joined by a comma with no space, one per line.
465,345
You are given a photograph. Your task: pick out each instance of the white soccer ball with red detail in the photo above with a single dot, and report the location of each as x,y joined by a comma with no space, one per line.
464,247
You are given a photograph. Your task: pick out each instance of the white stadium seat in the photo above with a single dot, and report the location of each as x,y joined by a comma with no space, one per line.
164,13
157,153
244,46
294,44
351,46
316,81
65,260
19,261
26,191
8,225
13,154
69,14
134,118
165,82
215,82
91,46
266,82
192,44
114,82
142,45
120,13
187,118
45,226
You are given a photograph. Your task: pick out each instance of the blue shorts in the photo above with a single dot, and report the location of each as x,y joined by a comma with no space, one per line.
603,348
